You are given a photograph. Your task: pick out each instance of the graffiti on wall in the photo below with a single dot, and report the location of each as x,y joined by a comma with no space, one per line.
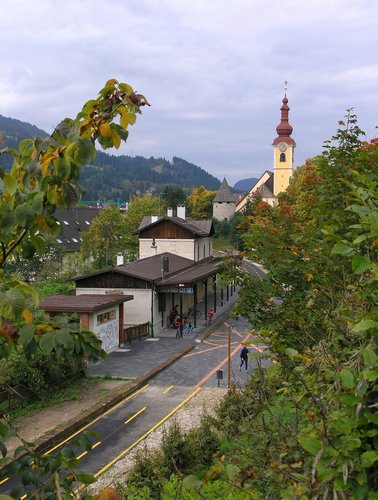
108,333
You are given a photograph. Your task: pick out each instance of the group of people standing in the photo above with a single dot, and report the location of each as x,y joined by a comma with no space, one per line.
184,322
180,322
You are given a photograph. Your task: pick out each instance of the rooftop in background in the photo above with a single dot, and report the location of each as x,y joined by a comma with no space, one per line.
72,222
224,194
197,227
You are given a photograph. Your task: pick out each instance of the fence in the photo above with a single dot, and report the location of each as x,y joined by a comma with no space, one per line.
135,332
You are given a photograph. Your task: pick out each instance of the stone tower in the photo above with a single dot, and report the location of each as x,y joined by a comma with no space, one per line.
224,202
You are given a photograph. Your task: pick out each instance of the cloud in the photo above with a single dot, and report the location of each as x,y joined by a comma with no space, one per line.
213,71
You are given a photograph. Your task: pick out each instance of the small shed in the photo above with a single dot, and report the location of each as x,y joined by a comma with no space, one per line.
101,314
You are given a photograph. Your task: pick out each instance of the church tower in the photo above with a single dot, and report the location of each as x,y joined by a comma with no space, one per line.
283,146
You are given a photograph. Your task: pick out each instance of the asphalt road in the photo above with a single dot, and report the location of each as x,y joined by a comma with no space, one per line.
126,424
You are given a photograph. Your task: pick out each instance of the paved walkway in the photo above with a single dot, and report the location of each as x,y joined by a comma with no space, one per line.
147,356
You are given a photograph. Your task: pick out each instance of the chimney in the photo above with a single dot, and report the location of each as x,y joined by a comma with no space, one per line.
164,265
169,212
154,218
153,247
181,211
119,259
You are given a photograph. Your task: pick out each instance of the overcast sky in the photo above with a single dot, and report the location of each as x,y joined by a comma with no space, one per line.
213,70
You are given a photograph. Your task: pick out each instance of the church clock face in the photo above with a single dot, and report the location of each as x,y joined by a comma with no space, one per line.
282,147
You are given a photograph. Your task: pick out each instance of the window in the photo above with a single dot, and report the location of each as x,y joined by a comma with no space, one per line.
282,157
75,240
59,241
106,316
66,223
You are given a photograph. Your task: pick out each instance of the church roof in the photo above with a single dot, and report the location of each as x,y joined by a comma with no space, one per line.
224,193
284,129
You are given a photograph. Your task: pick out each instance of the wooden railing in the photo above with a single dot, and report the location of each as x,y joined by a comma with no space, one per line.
135,332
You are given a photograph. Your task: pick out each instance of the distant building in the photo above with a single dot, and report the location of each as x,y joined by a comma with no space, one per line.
183,236
224,203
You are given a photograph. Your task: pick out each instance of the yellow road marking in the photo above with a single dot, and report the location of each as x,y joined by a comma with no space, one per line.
167,390
206,350
206,377
136,414
85,452
96,419
4,480
147,433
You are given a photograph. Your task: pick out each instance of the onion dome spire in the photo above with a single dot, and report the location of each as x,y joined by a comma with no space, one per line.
284,129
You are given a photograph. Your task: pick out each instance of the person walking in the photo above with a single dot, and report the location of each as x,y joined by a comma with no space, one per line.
244,357
210,316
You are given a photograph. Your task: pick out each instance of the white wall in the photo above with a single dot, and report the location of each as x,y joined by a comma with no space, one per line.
203,248
135,311
224,210
184,248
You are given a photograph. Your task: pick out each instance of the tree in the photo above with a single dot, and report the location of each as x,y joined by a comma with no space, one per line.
172,196
47,264
201,203
44,175
105,237
139,206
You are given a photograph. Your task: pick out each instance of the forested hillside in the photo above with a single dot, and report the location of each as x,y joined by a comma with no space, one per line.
306,425
111,177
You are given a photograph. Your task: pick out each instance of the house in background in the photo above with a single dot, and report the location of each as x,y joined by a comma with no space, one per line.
188,238
73,222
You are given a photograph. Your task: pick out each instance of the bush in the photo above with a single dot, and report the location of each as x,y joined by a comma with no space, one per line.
39,373
145,477
176,451
202,443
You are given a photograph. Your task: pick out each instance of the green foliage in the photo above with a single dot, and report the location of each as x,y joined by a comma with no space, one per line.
44,176
305,426
201,203
46,265
38,373
105,237
172,196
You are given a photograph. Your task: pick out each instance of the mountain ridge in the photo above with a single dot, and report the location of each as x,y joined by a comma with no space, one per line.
116,177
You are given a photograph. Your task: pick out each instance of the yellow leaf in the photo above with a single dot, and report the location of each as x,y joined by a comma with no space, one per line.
105,130
108,494
27,315
116,138
309,277
124,120
110,82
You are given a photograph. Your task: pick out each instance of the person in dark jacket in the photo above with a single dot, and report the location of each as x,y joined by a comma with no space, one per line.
244,357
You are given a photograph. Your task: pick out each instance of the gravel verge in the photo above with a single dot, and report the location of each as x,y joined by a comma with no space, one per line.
187,417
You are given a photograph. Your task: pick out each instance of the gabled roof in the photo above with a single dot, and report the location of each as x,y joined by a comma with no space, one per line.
224,194
82,303
268,186
181,270
200,228
148,269
72,222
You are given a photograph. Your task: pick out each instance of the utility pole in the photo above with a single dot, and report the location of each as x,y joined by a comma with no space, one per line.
229,358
